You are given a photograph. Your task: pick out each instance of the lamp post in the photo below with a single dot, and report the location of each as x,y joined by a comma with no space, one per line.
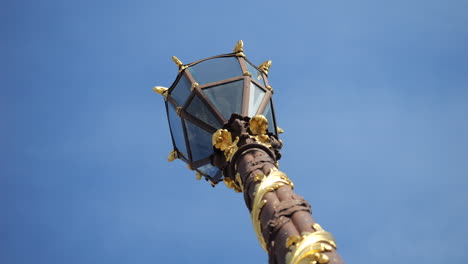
222,122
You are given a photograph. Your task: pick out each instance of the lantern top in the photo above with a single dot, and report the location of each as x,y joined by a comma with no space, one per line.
203,97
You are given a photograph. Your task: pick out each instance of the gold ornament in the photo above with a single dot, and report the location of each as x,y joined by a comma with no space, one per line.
258,125
172,156
265,67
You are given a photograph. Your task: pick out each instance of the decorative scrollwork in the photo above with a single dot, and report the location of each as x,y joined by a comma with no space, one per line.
310,247
222,139
269,183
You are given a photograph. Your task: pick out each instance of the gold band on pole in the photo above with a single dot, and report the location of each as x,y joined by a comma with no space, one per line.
310,247
273,181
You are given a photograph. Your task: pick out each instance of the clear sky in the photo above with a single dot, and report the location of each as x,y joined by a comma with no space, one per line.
372,95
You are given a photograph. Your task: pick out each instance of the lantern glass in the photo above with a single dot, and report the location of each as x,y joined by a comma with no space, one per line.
255,98
227,97
181,91
199,109
215,69
268,113
200,142
209,170
256,75
175,124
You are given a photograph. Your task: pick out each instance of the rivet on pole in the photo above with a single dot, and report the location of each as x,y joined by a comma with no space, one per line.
265,67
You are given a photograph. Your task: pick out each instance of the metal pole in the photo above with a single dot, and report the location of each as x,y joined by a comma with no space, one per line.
282,219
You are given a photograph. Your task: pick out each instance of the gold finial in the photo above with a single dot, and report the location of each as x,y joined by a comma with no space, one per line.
280,130
265,67
258,125
247,73
239,47
178,109
177,61
199,176
172,156
160,90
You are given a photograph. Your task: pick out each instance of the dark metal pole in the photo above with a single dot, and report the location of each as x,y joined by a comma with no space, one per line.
281,218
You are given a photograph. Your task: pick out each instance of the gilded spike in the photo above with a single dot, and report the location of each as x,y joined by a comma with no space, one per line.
172,156
239,47
160,90
177,61
280,130
265,67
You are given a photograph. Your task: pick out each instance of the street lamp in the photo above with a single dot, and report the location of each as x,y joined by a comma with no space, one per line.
223,125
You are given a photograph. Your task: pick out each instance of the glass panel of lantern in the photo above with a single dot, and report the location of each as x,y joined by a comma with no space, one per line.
217,69
256,75
268,113
177,131
255,99
200,142
227,97
199,109
182,90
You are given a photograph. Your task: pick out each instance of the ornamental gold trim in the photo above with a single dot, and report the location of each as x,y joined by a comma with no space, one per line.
179,63
273,181
172,156
239,47
194,85
310,247
258,125
247,73
265,67
161,90
222,139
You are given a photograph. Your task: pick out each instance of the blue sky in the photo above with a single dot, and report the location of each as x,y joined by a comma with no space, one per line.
372,96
